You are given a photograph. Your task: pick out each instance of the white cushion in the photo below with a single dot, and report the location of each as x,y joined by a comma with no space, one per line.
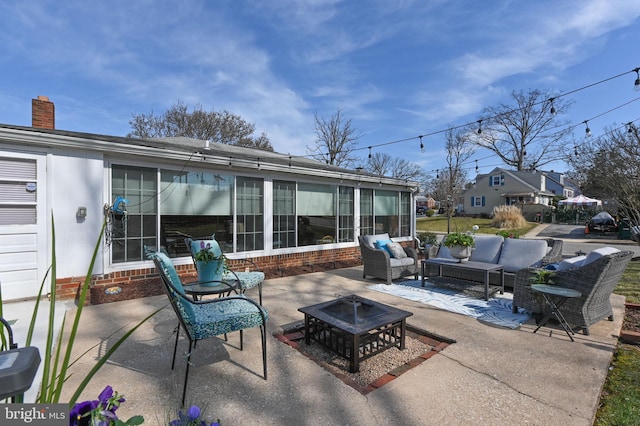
598,253
370,240
396,250
521,253
487,248
571,263
393,262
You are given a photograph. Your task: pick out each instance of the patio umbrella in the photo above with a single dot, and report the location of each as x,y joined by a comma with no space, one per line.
580,201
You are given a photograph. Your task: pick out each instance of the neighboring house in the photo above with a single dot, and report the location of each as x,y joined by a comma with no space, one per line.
280,211
508,187
425,202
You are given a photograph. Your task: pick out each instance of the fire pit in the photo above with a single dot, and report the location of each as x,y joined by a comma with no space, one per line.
355,328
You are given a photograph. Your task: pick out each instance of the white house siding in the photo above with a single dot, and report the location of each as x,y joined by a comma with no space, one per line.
76,180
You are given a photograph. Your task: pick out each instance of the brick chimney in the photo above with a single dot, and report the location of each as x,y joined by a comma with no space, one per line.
43,113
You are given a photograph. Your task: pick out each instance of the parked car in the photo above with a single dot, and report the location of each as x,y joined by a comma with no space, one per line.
421,210
602,222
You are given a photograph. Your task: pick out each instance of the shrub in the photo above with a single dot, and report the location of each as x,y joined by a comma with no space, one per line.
430,212
427,238
509,217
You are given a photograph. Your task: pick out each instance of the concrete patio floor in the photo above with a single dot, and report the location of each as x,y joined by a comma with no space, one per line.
490,376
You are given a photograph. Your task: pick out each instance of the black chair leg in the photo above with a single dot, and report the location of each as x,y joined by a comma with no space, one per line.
175,347
260,293
186,373
241,340
263,335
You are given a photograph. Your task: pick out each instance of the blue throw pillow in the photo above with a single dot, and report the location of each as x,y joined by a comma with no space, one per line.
382,244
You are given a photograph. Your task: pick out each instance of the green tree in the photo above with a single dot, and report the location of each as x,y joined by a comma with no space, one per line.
216,126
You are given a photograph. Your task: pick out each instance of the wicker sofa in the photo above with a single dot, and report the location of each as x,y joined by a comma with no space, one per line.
514,254
379,263
594,275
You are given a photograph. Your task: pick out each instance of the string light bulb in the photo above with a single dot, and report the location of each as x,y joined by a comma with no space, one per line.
479,127
553,108
421,144
575,151
587,131
636,85
369,153
477,168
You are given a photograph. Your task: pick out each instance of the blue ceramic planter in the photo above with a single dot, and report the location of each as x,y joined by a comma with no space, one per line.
209,271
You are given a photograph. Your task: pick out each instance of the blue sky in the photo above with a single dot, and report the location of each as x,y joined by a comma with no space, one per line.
398,69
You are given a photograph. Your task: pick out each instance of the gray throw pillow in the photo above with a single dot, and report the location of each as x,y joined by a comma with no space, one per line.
396,250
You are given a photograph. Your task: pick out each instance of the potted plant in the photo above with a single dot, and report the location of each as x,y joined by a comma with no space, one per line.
209,265
427,242
459,244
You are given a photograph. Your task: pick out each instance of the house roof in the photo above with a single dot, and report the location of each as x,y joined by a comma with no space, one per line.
183,148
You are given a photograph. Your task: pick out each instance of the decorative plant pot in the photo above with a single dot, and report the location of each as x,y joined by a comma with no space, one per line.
460,252
209,272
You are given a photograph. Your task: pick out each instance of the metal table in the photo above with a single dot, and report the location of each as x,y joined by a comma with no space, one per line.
222,288
468,265
549,292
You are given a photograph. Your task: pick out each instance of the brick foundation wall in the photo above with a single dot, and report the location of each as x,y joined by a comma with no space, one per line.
124,285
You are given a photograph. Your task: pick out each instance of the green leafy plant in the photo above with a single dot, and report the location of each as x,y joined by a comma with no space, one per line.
508,234
543,276
459,239
427,238
206,255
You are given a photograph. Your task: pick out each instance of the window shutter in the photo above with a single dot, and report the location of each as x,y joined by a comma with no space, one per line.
473,200
483,201
490,180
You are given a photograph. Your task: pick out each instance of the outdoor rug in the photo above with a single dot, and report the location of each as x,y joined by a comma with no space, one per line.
496,311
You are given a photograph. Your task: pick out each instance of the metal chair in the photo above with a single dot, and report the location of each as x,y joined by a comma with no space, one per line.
18,366
250,278
208,318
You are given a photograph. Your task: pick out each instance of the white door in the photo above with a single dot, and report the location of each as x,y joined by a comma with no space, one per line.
23,241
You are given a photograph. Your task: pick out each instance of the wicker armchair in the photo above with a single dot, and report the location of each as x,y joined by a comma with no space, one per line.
377,262
596,281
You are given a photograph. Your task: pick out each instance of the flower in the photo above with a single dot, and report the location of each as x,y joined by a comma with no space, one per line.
101,411
191,418
205,254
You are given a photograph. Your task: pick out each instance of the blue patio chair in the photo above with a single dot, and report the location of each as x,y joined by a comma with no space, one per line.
209,318
248,279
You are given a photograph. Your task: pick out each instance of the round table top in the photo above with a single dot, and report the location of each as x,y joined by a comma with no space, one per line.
214,287
555,290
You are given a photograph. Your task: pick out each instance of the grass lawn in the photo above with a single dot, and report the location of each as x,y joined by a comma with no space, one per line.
620,401
438,224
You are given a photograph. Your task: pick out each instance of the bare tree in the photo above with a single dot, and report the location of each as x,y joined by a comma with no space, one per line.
336,140
525,136
610,169
450,182
216,126
383,164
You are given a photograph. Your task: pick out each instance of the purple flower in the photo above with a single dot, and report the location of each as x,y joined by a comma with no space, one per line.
194,412
79,410
105,395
